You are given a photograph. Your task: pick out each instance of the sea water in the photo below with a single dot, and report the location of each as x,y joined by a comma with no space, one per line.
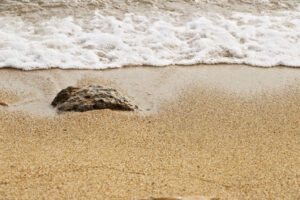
99,34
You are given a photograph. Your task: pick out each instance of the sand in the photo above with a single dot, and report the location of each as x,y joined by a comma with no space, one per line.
231,132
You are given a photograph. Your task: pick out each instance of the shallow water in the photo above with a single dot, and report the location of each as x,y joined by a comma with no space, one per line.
98,34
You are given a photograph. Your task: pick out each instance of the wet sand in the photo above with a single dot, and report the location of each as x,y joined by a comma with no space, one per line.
231,132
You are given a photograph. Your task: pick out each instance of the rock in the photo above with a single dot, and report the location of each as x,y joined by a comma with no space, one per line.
91,98
3,104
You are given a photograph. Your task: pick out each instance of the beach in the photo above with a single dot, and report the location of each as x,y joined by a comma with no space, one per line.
211,90
223,131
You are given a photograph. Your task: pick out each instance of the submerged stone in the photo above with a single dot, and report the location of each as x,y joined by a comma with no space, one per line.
87,98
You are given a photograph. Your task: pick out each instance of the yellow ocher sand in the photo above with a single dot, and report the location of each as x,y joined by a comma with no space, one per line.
206,142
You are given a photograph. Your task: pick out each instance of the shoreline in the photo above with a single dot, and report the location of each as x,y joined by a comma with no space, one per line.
157,67
148,86
226,132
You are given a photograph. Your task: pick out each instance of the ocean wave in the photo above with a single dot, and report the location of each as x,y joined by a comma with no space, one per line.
100,41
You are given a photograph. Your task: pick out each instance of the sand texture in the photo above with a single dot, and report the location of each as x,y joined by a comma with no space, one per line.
231,132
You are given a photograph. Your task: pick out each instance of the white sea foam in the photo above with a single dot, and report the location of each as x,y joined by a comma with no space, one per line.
105,41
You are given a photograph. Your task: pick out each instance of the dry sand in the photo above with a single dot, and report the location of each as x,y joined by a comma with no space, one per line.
222,131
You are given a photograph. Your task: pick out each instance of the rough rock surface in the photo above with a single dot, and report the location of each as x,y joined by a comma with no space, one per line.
91,98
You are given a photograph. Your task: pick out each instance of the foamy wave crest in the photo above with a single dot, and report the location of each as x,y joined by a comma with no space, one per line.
105,41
